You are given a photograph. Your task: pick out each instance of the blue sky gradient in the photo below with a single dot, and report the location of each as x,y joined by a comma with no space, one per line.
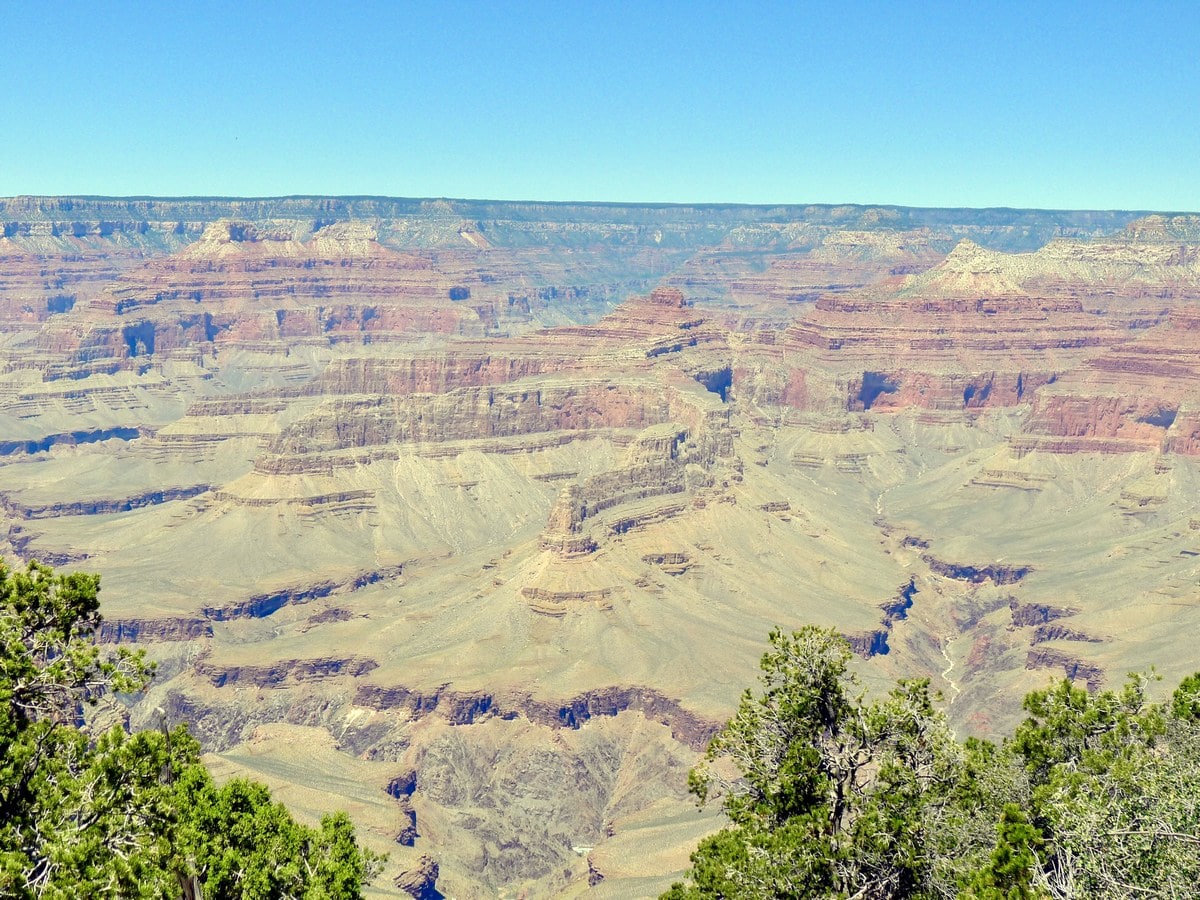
1051,105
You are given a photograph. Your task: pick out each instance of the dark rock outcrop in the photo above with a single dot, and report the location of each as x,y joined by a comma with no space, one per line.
995,573
465,708
1072,667
117,631
420,883
285,670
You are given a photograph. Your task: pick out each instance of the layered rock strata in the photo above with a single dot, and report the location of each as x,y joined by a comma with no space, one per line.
506,500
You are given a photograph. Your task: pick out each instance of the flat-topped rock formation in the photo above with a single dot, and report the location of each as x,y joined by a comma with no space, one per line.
513,222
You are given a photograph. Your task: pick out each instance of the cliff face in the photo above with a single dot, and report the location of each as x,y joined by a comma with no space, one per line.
503,498
1138,395
985,329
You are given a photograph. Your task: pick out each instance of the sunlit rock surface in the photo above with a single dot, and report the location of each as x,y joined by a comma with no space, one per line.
472,518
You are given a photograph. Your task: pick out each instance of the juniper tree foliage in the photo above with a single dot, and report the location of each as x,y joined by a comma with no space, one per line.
120,815
1114,790
831,795
50,775
827,794
1009,874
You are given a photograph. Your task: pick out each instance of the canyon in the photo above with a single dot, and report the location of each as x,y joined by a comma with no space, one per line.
471,518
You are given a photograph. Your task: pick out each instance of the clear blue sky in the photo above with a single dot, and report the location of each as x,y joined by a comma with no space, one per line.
1081,105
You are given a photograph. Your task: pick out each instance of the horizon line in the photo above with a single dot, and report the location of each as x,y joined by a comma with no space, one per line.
648,204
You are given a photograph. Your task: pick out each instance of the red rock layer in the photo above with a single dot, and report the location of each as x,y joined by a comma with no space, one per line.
35,286
984,329
241,287
634,337
1141,394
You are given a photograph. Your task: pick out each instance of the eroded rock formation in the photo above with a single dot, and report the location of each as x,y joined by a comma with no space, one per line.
492,505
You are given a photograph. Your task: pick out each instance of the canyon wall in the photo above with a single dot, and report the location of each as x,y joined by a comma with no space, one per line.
474,516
